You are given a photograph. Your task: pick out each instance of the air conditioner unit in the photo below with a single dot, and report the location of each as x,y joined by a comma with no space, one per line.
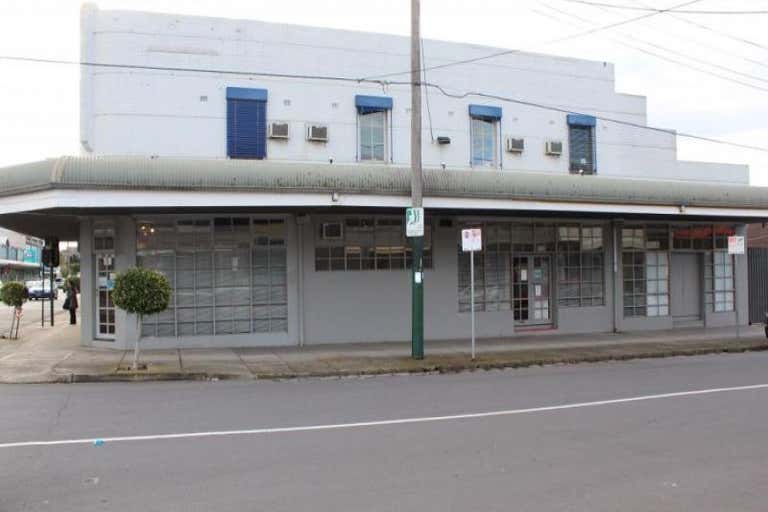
317,132
331,231
278,130
553,147
515,145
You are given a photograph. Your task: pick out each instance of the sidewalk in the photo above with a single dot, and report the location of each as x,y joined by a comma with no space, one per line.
54,355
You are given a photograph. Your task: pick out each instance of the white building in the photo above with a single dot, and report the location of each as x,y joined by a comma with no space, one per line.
248,162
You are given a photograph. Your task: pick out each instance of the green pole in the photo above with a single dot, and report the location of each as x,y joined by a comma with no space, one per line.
417,298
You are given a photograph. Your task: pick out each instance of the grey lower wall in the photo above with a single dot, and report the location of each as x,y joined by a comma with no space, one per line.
372,306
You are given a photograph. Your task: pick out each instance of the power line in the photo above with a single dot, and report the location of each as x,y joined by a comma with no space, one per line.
674,52
383,83
552,41
652,9
710,46
719,32
507,99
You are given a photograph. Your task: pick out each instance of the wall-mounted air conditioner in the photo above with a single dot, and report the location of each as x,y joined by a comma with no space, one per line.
317,132
515,145
278,130
553,148
331,231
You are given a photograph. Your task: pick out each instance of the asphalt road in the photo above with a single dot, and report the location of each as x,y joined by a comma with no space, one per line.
702,452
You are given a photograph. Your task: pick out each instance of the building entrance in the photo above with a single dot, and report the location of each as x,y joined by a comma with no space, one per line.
531,290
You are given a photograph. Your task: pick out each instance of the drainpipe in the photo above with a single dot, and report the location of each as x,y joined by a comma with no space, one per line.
616,226
301,220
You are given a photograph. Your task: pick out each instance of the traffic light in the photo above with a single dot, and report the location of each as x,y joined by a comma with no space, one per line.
51,252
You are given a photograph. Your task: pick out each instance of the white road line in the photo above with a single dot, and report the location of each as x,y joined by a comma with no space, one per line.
378,423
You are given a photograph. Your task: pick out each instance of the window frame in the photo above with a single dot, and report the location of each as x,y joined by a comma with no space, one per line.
644,272
494,137
386,138
368,243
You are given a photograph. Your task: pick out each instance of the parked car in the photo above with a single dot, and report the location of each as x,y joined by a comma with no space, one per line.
41,290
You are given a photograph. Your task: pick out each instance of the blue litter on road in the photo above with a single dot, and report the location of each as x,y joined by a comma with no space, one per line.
98,442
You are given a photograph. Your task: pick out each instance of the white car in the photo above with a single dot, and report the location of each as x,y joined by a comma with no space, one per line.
41,290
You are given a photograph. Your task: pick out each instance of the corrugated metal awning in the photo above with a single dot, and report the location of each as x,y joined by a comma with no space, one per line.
209,175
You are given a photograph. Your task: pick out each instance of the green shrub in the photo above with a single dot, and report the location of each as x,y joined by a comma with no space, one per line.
14,294
141,291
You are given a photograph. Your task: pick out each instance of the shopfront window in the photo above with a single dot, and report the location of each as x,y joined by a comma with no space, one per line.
581,266
645,266
366,243
228,275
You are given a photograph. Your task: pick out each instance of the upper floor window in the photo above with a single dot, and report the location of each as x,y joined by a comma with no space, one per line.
484,134
246,123
372,127
581,142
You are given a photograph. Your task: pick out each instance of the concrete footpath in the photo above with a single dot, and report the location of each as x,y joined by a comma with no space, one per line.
53,354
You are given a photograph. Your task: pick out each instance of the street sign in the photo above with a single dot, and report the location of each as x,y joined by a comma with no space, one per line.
471,240
414,222
735,245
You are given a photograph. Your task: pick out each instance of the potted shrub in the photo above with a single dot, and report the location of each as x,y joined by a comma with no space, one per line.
141,291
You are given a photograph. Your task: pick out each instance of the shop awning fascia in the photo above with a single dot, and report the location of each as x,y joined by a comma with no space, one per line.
41,185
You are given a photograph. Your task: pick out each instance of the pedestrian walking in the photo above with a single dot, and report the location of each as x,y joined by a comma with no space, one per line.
70,302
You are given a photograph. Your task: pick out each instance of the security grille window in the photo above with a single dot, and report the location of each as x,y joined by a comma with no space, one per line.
719,282
228,275
581,266
367,243
582,144
483,142
645,266
493,265
246,123
373,135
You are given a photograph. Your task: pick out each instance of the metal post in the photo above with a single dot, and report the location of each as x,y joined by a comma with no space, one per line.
42,300
50,294
472,296
417,243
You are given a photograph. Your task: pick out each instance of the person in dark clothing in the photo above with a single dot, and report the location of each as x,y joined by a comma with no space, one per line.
70,302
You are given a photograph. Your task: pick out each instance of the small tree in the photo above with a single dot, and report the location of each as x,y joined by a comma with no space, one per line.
14,294
141,291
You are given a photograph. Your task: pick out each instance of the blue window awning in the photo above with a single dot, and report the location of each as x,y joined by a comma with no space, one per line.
581,120
244,93
367,104
485,112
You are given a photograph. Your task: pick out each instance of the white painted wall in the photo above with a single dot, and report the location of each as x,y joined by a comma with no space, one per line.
143,112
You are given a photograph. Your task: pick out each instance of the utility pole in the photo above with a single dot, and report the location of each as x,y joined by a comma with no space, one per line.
417,242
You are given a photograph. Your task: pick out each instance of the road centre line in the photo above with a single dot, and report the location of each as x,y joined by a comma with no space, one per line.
377,423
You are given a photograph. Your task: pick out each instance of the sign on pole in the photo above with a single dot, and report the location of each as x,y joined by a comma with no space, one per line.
414,222
471,241
735,245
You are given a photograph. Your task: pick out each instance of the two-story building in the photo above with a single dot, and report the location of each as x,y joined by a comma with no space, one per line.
247,162
20,256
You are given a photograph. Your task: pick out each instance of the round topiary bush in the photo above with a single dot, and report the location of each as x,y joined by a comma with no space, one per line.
14,294
141,291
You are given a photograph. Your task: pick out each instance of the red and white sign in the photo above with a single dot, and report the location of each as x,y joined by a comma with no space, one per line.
735,245
471,240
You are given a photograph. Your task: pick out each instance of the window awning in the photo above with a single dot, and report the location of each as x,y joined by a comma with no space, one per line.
488,112
581,120
244,93
367,104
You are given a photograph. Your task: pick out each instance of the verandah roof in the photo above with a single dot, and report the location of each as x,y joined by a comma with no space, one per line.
220,175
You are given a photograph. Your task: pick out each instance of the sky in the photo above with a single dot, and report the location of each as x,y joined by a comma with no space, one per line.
697,81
